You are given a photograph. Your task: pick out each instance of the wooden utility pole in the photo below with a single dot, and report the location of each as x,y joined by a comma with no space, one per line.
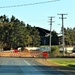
51,21
63,41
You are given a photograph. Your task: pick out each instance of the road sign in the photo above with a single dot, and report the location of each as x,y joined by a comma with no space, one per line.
45,54
16,51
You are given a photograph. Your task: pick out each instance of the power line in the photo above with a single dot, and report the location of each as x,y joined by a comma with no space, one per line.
29,4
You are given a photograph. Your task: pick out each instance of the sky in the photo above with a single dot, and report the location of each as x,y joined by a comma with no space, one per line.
38,15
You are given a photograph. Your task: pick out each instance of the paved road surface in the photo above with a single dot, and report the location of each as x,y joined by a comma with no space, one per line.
24,66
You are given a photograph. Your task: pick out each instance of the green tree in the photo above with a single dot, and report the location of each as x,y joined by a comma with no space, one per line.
69,36
54,37
34,35
14,33
18,33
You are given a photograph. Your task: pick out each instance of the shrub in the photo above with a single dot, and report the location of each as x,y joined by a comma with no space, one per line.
54,51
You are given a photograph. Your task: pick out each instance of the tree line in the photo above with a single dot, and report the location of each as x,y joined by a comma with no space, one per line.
15,33
69,36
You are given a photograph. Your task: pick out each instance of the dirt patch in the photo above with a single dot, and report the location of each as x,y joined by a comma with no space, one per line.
64,69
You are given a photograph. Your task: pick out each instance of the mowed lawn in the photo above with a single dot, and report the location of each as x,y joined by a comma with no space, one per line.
64,62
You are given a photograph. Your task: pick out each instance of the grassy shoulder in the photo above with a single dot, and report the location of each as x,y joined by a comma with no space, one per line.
64,65
64,62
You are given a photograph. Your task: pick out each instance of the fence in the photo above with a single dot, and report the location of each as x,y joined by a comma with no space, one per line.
12,54
20,54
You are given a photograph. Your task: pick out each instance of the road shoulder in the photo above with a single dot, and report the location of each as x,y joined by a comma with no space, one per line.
64,69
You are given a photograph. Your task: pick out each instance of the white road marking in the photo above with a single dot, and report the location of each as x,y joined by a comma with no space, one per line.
26,62
29,65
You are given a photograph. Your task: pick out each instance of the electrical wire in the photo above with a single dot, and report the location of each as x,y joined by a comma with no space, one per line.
29,4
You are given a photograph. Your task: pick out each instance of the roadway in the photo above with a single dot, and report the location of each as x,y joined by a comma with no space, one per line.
25,66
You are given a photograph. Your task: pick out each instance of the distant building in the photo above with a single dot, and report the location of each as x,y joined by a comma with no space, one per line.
45,37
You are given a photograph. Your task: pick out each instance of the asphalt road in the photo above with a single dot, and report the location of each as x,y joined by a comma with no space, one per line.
24,66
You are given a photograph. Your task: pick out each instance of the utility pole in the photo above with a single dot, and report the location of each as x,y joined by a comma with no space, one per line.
51,20
63,41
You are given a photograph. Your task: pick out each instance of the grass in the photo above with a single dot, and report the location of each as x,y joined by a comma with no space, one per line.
64,62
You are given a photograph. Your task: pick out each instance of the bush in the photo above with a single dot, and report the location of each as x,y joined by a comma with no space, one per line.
54,51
